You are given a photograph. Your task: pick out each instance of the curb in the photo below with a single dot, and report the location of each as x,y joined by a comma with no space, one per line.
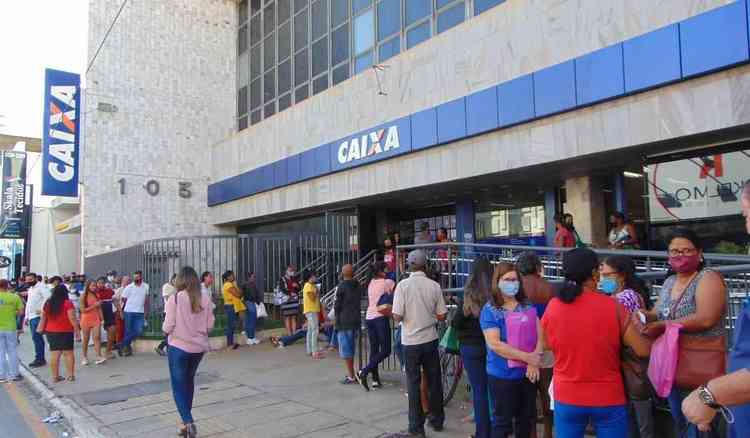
84,426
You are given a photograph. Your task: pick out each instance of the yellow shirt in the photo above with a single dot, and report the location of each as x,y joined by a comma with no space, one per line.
230,299
311,301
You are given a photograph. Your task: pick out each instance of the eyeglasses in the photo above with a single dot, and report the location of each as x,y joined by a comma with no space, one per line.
682,252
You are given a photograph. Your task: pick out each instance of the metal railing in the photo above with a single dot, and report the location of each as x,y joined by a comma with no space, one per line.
361,271
452,263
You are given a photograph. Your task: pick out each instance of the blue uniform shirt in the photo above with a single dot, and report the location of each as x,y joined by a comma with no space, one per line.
497,366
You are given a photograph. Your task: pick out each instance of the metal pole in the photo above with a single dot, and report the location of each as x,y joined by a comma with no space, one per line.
27,235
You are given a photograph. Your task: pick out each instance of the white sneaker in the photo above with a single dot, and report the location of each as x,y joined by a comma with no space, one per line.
281,346
256,341
85,362
101,360
250,342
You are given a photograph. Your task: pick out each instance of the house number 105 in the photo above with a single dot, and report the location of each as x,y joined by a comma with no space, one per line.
152,187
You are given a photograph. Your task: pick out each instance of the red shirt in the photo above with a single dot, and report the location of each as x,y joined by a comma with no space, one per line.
564,238
390,259
105,293
585,339
59,323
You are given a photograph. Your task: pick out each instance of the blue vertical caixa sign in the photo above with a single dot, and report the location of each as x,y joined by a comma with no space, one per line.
61,136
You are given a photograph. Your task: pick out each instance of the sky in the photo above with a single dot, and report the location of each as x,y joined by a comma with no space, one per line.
34,35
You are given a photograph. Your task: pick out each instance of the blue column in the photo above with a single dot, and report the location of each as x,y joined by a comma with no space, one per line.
464,234
465,220
620,200
550,209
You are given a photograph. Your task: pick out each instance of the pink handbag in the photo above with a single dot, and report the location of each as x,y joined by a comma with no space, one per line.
521,331
662,367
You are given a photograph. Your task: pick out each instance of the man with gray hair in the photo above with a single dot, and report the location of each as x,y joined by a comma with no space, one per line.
731,390
419,304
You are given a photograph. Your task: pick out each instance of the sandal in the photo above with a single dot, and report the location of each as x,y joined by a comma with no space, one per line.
71,378
58,379
183,431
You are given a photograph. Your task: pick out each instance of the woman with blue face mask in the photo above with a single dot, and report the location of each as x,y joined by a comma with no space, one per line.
617,277
511,370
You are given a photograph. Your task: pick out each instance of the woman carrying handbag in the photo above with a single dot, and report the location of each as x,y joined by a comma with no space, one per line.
694,297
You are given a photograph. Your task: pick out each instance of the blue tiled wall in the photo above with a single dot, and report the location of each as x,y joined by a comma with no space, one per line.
708,42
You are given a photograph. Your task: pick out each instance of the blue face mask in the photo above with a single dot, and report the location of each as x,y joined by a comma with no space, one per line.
608,285
509,288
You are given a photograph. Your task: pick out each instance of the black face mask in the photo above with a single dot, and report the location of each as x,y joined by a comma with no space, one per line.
138,282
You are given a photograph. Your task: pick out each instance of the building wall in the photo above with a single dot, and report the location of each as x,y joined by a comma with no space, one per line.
508,41
168,67
513,39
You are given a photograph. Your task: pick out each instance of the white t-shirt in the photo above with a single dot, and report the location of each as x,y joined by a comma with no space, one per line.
136,297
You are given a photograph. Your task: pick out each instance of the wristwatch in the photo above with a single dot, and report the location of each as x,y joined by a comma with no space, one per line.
707,397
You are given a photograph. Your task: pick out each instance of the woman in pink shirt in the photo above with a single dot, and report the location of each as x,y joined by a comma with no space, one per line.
189,317
378,327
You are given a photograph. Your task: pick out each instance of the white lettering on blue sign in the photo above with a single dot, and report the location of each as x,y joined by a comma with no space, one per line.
62,127
368,145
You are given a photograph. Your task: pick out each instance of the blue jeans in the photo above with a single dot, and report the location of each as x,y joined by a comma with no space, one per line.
514,408
133,327
398,347
609,422
682,428
347,343
38,340
475,364
379,335
231,320
182,369
251,319
8,355
311,344
291,339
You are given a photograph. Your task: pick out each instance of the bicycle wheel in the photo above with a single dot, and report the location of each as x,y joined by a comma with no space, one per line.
452,369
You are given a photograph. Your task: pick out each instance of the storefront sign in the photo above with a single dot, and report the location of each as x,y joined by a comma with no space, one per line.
697,188
62,102
13,188
384,141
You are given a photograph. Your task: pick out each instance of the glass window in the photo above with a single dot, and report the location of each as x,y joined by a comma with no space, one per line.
300,30
242,40
389,49
320,84
416,10
389,18
301,73
440,3
451,17
358,5
418,34
269,21
319,13
242,123
254,6
242,66
339,12
255,94
363,32
285,102
285,41
256,59
363,62
255,117
320,57
301,94
285,77
269,110
269,86
482,5
340,45
242,101
283,10
255,30
340,74
243,11
299,5
269,52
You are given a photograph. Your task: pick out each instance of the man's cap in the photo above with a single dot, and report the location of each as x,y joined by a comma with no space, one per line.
417,258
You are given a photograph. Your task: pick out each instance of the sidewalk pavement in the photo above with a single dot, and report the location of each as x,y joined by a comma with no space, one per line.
257,391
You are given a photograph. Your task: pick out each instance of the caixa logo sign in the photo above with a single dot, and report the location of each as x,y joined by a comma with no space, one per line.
373,143
62,103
